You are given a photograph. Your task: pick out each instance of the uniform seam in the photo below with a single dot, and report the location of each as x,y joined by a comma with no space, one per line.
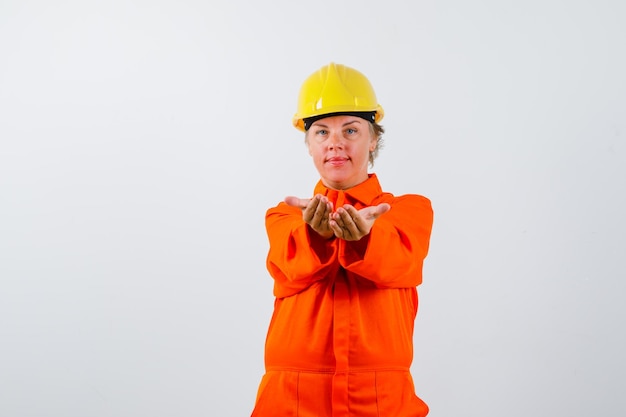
298,395
376,393
332,371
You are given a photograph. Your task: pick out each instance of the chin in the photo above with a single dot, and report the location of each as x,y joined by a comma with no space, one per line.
335,180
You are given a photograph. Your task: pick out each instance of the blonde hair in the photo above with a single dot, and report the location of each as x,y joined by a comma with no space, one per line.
377,131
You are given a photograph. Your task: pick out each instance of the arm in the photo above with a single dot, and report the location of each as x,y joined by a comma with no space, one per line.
392,254
298,256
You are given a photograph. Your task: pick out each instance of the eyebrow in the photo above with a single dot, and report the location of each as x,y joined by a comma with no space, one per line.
316,124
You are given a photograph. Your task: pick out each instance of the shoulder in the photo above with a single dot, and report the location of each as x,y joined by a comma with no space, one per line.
414,199
404,199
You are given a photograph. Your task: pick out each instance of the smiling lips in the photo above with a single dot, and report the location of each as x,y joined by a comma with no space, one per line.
337,160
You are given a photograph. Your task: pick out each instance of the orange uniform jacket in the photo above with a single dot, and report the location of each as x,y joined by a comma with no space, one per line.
340,341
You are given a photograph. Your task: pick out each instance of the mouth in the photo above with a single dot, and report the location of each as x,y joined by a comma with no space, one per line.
337,160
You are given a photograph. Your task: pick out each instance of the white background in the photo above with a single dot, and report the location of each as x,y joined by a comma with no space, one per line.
142,142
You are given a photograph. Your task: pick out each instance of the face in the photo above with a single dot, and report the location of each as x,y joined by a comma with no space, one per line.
340,148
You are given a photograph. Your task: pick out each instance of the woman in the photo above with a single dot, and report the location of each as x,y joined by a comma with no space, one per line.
345,265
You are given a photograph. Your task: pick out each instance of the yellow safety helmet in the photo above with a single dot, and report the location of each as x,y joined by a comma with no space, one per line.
336,88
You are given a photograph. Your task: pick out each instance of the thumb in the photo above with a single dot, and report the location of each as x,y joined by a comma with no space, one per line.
373,212
382,208
296,202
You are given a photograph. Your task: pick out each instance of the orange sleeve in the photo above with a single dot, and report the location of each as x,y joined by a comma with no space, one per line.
393,253
297,257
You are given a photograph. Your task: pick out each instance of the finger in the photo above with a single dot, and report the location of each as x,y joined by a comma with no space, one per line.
309,212
352,219
348,230
336,229
320,216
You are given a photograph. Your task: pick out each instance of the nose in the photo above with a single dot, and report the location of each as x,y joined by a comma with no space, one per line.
335,141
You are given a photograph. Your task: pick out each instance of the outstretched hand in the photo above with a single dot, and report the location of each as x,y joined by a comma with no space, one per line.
346,223
316,213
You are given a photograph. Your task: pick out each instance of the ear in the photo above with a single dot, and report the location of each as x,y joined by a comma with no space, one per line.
373,144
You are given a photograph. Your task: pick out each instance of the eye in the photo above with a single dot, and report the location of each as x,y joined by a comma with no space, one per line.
351,131
321,132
